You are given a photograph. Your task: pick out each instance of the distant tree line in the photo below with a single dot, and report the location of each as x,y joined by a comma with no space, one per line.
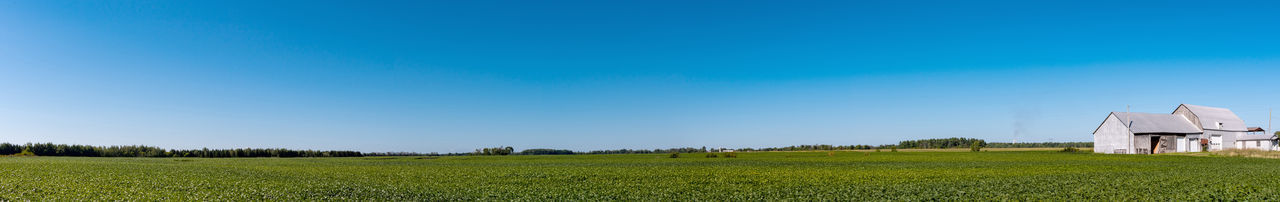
546,152
1039,144
413,154
973,144
495,151
813,147
50,149
645,151
620,151
941,143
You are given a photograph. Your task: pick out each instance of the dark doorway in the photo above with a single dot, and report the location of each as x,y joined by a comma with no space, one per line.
1155,144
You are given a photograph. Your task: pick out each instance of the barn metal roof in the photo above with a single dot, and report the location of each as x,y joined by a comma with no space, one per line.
1256,137
1211,116
1156,123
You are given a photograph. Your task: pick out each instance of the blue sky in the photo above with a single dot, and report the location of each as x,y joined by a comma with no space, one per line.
451,76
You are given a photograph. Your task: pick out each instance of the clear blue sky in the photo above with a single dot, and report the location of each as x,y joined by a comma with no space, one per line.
452,76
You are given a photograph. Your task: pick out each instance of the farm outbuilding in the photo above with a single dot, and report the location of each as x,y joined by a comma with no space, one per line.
1190,128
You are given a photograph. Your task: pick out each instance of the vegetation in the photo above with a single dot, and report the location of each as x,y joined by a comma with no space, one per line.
1040,145
495,151
409,154
754,176
944,143
50,149
816,147
1252,153
546,152
23,153
1070,149
642,151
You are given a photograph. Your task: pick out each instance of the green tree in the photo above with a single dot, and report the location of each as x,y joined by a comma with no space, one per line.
25,153
975,147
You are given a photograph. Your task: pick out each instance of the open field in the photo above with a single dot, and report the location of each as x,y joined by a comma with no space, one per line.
1016,175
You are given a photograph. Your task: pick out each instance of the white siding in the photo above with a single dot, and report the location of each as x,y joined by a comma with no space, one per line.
1181,144
1193,143
1229,138
1216,143
1264,145
1111,135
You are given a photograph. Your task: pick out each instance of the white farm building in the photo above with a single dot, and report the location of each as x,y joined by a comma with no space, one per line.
1190,128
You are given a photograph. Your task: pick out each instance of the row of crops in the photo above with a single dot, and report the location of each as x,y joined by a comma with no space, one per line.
752,176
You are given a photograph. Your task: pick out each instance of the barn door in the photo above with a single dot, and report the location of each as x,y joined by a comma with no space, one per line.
1215,143
1156,144
1194,145
1181,144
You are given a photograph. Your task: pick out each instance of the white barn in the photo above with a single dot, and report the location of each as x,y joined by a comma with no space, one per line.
1190,128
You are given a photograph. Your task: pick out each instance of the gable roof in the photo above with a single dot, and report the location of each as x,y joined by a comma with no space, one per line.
1211,116
1156,123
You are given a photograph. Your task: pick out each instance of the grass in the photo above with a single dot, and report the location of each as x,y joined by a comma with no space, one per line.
843,175
1251,153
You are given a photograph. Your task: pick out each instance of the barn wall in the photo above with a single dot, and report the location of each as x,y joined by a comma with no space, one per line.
1170,144
1265,145
1231,137
1193,142
1252,144
1186,113
1228,137
1111,135
1142,144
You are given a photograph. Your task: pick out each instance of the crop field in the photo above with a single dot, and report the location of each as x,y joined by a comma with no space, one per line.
1010,175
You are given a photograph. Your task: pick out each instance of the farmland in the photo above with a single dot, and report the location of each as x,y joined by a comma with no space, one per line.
848,175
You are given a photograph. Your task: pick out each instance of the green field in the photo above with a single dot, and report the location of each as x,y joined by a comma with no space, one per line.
1022,175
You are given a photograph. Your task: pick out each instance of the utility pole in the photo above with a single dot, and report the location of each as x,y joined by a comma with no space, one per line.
1128,118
